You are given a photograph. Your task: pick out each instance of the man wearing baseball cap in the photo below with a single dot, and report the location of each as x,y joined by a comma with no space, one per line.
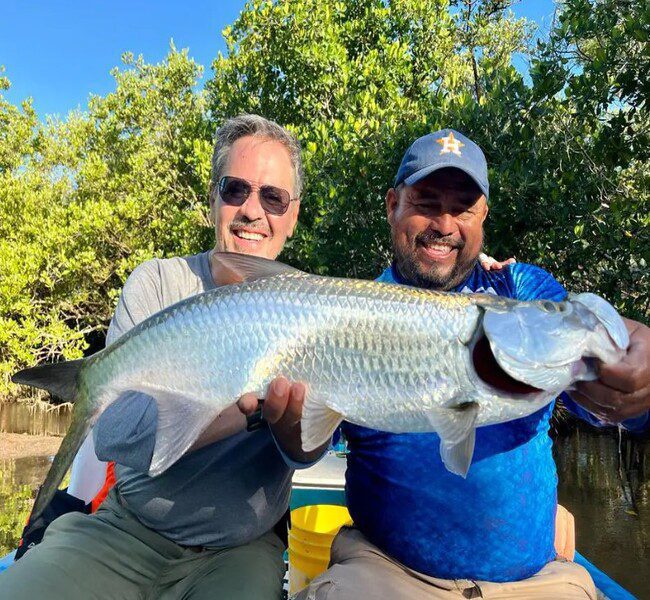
420,531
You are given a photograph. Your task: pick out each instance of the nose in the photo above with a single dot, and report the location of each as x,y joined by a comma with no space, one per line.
252,208
444,223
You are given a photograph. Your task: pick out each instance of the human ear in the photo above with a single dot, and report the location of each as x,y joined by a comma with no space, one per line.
486,210
392,200
294,217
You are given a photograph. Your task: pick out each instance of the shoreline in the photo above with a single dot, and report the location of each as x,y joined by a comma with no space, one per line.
23,445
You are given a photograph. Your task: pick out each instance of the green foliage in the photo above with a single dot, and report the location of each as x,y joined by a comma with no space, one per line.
83,200
357,82
15,505
591,150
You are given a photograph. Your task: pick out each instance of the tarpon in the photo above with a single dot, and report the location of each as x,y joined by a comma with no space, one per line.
384,356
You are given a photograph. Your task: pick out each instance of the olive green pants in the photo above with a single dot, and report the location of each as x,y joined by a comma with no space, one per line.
112,555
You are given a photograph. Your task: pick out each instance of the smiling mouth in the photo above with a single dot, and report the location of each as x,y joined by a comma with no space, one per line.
437,250
249,236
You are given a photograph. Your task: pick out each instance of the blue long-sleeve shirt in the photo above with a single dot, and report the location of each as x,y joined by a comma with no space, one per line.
495,525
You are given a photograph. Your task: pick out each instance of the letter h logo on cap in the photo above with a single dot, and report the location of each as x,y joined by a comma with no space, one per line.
450,144
446,148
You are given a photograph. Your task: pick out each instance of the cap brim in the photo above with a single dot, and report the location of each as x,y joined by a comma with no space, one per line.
426,171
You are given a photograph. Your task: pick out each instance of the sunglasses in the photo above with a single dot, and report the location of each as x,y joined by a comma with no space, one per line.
235,191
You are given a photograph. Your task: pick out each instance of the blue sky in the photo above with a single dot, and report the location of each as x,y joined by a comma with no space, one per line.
60,52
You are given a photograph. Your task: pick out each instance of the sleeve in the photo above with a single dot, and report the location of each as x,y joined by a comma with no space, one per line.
639,424
533,283
126,430
141,297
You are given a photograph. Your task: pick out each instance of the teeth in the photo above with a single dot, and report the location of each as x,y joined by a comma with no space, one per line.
246,235
440,247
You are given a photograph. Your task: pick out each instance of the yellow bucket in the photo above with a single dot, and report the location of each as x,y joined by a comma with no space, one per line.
310,538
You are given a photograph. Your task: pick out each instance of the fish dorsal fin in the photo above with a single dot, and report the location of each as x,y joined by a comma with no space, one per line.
237,268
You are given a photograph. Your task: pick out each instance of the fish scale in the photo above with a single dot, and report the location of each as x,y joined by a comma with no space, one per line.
281,315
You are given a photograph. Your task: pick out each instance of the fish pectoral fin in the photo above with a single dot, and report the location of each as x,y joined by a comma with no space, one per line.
181,419
237,268
318,423
457,458
456,427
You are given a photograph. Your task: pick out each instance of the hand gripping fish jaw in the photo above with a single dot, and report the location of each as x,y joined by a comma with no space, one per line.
552,345
530,352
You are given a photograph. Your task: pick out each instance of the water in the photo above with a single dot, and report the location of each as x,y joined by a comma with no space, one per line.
612,518
24,461
611,508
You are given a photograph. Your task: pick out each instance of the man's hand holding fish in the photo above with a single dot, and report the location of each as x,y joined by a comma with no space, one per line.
622,390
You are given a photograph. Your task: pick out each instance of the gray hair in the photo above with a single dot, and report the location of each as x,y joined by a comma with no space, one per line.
255,125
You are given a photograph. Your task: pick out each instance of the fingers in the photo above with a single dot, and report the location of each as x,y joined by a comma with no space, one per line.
623,376
609,405
248,404
486,261
632,373
284,401
277,398
491,264
623,389
293,412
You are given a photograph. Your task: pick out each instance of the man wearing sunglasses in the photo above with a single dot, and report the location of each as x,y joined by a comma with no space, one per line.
211,525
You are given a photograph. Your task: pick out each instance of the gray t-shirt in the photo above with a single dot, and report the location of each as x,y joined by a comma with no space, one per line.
222,495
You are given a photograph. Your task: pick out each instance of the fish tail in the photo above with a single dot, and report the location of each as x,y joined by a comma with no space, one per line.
60,379
82,421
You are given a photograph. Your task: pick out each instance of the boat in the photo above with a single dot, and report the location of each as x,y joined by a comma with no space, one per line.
324,483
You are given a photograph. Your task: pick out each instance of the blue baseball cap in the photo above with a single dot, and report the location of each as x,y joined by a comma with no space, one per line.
440,150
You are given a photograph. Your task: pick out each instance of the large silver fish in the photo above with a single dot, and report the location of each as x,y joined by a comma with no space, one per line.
388,357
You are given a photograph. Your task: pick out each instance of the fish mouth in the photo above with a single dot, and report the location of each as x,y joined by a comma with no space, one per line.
547,345
491,373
